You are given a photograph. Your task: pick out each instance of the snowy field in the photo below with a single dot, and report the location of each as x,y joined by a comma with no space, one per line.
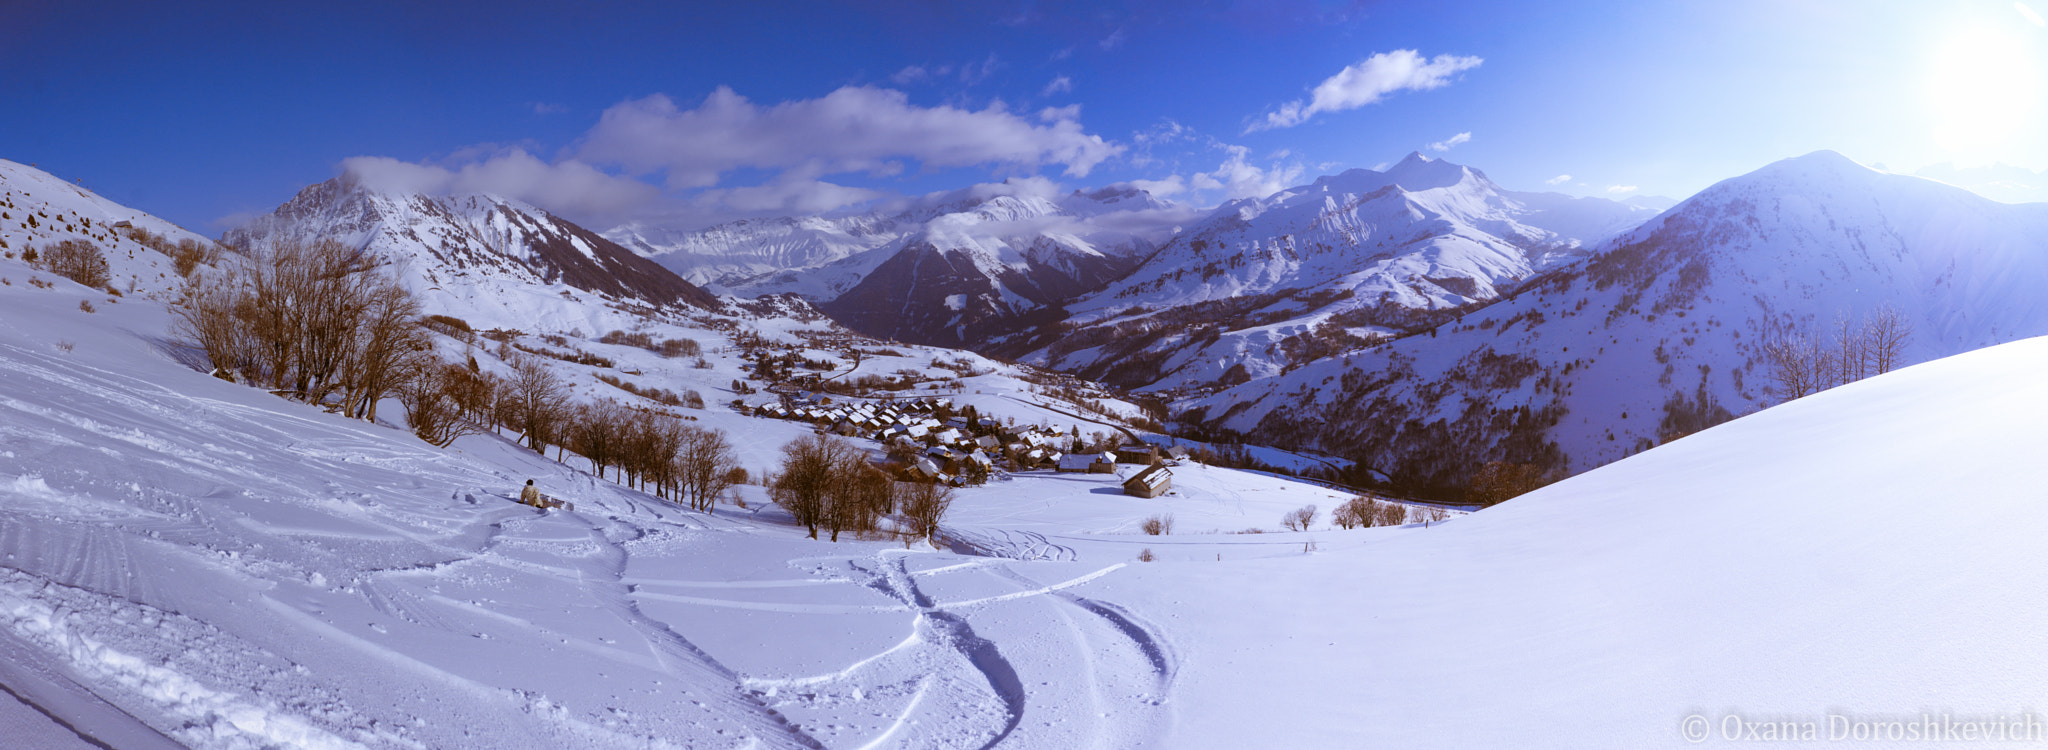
187,562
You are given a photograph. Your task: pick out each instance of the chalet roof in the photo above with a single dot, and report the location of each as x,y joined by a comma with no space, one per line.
1080,461
1151,477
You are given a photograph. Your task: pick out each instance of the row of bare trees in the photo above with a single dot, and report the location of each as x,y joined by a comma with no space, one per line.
643,448
654,450
329,324
320,322
1805,362
1370,512
827,481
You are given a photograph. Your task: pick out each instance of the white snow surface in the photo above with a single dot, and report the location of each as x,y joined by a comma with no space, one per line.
185,561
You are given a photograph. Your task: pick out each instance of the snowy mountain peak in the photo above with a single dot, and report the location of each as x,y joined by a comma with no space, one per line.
493,261
1417,172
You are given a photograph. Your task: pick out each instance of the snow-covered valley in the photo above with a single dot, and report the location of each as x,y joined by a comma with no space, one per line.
190,562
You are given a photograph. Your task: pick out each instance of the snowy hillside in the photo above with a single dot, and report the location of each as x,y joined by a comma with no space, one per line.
38,209
1361,250
189,562
492,262
1664,333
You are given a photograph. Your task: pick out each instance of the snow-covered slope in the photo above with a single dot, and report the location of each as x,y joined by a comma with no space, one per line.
1424,234
191,562
490,261
1664,333
1423,231
38,209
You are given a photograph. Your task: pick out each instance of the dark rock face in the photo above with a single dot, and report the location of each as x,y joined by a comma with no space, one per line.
952,298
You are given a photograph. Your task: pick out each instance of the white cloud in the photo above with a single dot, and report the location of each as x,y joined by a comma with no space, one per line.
1110,227
1113,41
1619,189
1237,177
973,73
909,75
1058,85
545,108
855,128
1056,114
1451,142
571,188
1368,82
1558,180
1171,186
2031,16
789,194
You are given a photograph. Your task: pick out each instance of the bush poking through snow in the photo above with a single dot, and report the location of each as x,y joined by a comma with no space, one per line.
1352,514
76,260
1159,525
1145,555
1300,518
1389,513
85,305
311,321
433,409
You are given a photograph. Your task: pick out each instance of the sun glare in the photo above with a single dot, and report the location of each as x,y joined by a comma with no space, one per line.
1984,92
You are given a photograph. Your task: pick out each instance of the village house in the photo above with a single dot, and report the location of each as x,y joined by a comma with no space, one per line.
1137,454
1154,481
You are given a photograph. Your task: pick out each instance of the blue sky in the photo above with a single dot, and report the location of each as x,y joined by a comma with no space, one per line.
690,113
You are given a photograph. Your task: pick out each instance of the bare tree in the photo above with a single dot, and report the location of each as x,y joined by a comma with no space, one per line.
311,321
206,317
1354,513
924,504
1806,362
1300,518
811,465
534,402
432,410
390,346
1800,364
1886,335
864,495
1159,525
597,431
1388,513
704,462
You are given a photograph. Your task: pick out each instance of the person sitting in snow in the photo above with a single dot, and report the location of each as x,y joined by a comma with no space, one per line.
531,495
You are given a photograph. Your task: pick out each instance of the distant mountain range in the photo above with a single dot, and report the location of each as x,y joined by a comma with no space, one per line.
1661,332
1420,321
949,271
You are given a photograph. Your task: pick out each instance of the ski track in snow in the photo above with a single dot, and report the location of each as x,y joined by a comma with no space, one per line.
365,538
